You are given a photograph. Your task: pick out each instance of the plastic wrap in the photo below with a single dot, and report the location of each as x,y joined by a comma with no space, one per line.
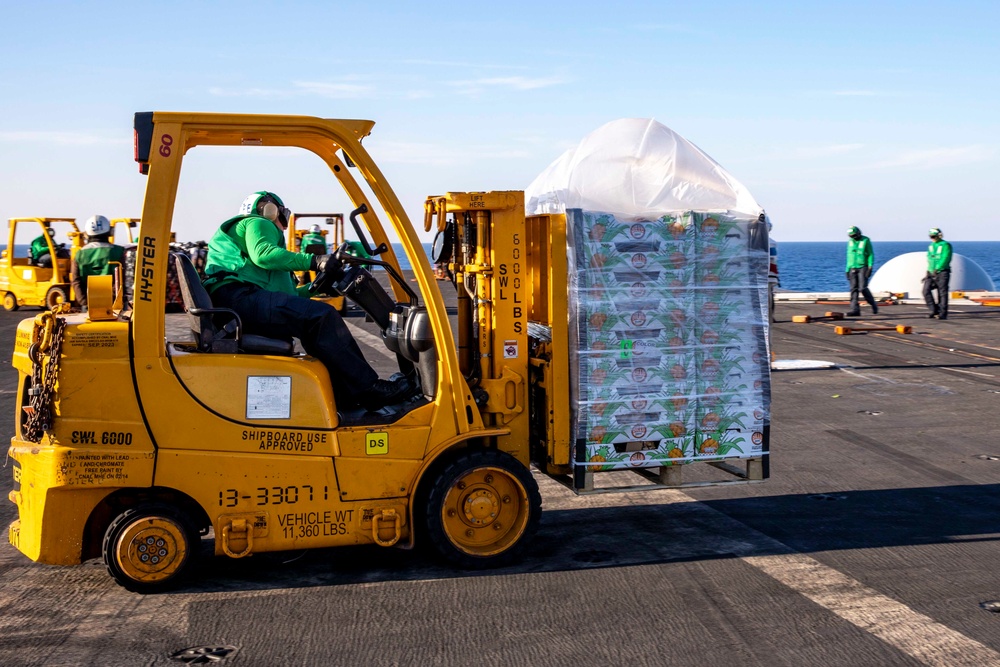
668,264
637,169
668,326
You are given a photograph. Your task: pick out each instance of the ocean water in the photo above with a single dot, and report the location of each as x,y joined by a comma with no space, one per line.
819,267
404,262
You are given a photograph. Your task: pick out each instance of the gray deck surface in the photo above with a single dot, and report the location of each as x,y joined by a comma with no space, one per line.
875,542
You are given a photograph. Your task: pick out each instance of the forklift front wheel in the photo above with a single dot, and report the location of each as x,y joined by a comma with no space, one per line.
148,548
55,296
10,302
481,509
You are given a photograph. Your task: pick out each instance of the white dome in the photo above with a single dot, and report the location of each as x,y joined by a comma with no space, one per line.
905,273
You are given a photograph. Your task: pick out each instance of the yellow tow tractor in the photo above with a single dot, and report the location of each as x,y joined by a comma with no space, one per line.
333,238
26,281
134,442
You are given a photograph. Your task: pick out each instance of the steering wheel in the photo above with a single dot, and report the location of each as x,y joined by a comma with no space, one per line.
332,272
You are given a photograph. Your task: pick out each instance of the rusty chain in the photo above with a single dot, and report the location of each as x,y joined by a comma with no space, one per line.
43,385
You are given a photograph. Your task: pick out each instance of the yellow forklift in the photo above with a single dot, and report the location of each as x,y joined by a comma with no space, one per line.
134,443
334,220
130,227
332,238
26,280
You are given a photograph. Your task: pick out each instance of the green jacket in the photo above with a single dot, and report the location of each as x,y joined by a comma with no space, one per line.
39,247
357,250
939,256
860,254
93,259
251,249
311,239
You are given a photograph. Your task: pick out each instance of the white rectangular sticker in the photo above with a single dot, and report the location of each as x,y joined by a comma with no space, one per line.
510,349
269,397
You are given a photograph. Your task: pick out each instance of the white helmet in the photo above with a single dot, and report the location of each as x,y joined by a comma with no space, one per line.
97,225
315,229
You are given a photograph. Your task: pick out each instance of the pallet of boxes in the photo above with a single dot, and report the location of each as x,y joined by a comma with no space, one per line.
668,258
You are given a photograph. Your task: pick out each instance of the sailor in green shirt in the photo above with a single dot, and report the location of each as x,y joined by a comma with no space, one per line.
314,237
860,260
357,249
248,270
95,258
38,252
938,275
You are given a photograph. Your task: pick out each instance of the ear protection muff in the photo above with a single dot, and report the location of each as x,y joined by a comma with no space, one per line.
268,209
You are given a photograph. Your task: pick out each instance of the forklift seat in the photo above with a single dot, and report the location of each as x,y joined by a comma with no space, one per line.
229,339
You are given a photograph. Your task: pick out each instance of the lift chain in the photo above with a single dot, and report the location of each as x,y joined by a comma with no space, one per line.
43,386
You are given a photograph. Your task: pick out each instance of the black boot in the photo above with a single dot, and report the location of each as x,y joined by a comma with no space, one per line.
386,392
874,309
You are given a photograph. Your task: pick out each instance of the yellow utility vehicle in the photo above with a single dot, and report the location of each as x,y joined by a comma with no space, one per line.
25,283
336,235
334,238
133,443
130,227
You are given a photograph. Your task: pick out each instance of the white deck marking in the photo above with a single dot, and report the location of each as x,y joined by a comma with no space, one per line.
960,370
894,623
891,621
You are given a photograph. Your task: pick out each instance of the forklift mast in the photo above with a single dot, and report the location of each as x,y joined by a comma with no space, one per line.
486,233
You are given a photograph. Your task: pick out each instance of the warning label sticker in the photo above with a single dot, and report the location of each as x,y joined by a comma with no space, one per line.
269,397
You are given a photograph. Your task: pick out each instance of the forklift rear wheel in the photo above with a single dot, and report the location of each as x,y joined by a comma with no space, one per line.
149,548
10,302
481,509
55,296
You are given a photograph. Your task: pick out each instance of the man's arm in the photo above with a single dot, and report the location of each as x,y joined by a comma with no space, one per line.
945,261
264,248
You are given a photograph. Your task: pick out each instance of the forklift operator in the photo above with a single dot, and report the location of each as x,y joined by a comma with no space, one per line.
248,270
38,253
314,241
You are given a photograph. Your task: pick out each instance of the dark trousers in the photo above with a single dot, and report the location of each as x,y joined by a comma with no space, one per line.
858,279
316,324
937,281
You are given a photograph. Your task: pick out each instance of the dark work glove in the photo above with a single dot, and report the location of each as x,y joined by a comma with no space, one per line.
928,276
319,262
868,272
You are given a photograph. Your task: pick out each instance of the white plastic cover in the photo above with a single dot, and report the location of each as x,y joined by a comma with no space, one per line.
637,169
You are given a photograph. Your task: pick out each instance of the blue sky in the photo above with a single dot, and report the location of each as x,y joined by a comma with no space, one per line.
832,114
